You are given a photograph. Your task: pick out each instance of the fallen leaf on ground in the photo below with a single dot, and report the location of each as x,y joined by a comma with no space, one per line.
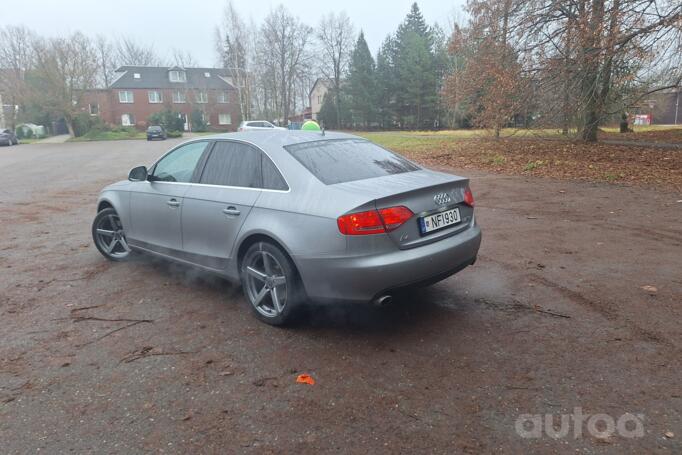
305,379
651,289
669,434
226,373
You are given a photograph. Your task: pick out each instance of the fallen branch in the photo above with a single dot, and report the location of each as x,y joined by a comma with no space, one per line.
94,318
114,331
150,354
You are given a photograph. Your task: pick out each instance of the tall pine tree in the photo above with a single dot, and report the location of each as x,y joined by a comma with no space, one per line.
387,83
362,84
417,77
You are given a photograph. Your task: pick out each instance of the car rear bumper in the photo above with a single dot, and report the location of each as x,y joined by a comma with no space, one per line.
363,278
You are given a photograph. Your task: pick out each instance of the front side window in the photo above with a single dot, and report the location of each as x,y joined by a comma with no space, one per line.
233,164
179,96
127,120
177,76
225,119
179,165
201,97
125,96
155,97
346,160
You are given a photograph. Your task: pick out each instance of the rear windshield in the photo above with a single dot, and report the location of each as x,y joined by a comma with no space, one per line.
346,160
154,128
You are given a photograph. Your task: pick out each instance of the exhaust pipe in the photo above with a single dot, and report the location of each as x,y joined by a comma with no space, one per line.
383,300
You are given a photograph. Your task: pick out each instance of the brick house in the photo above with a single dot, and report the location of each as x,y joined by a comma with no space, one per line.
139,91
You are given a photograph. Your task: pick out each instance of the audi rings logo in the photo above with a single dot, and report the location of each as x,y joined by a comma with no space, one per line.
442,199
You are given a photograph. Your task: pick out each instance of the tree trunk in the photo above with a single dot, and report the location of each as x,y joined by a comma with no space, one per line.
591,56
69,126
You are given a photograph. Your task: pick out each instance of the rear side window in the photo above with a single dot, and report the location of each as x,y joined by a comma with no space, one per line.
346,160
272,179
233,164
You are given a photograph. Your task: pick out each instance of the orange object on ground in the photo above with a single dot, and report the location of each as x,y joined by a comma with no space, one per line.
305,379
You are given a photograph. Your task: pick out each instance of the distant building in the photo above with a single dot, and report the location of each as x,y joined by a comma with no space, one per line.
320,88
139,91
660,108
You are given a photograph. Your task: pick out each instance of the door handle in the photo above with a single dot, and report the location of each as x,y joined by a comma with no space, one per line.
173,203
231,210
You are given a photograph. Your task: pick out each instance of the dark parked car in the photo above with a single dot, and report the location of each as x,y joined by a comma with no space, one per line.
7,137
156,132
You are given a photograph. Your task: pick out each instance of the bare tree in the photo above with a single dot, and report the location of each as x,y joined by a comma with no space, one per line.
64,69
17,56
234,45
284,41
183,59
133,54
336,40
106,60
608,48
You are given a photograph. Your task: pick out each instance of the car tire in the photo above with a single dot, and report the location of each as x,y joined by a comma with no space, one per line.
107,229
273,290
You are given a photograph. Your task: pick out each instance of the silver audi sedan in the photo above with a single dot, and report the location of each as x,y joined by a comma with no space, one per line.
294,216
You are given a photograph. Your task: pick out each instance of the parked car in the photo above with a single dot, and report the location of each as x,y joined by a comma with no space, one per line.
293,216
7,137
156,132
258,125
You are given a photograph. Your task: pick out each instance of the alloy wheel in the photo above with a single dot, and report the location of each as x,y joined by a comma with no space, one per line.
266,283
110,236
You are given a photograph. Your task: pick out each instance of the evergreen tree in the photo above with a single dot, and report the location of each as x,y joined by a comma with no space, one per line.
417,79
362,83
387,82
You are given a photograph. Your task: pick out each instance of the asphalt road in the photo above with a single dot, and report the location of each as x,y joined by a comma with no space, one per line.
146,356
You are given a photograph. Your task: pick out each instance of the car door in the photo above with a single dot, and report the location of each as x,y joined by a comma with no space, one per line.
156,204
215,208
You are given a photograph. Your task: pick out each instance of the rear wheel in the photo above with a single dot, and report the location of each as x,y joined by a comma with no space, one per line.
109,236
271,283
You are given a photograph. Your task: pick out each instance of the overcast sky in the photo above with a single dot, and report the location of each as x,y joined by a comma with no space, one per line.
189,25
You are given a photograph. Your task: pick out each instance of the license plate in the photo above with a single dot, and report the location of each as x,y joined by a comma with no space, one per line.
439,220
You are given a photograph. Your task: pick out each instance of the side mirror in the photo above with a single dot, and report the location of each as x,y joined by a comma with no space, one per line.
138,174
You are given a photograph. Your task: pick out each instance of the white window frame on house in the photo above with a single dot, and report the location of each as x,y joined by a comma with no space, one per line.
136,75
207,74
177,76
127,120
96,110
224,119
126,97
224,97
155,97
179,97
201,97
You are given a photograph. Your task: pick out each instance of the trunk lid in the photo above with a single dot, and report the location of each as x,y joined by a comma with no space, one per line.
424,192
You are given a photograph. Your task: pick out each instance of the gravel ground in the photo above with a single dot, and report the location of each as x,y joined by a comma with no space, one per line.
560,312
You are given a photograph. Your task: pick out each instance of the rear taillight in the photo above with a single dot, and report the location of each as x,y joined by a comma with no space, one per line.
468,197
373,221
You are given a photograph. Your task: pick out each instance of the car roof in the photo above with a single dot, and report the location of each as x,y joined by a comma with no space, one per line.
271,140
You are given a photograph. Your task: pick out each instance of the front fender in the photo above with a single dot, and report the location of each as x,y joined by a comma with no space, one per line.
120,201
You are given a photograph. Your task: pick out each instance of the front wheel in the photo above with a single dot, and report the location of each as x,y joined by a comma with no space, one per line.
271,284
109,236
